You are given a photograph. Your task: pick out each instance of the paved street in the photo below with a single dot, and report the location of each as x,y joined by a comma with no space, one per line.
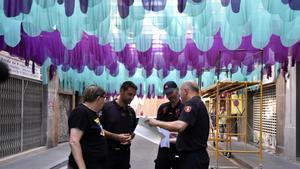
144,153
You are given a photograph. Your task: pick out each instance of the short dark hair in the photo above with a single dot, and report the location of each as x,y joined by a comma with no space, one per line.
91,93
128,84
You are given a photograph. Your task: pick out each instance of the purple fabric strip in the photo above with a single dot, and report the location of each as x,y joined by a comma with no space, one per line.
96,57
13,8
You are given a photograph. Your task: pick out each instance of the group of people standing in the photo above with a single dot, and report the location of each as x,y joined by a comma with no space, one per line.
102,140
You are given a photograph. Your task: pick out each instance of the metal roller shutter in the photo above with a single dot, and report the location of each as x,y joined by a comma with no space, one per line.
32,118
20,116
10,117
268,116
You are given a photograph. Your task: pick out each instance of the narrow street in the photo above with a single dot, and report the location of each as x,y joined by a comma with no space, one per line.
229,69
144,153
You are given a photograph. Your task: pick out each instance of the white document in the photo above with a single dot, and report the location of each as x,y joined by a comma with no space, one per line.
150,133
165,141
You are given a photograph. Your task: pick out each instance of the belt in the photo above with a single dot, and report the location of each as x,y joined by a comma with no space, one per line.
119,148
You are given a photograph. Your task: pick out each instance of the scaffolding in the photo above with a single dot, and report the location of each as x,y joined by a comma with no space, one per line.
220,96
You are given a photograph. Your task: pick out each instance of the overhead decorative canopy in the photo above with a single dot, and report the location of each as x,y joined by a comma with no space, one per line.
160,35
15,7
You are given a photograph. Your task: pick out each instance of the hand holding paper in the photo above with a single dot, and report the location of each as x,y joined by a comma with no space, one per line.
150,122
145,130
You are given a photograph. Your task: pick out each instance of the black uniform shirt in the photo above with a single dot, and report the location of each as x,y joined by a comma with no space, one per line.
117,119
168,113
93,145
195,136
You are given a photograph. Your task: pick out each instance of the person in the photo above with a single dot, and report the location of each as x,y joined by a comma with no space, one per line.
222,122
167,156
213,123
193,128
87,142
119,122
213,118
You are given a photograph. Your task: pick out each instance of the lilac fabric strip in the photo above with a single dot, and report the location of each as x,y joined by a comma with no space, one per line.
13,8
96,57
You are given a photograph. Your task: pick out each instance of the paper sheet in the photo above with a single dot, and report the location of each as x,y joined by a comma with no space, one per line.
150,133
165,142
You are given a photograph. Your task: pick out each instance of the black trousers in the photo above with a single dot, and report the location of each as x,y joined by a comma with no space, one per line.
91,160
118,158
167,158
194,160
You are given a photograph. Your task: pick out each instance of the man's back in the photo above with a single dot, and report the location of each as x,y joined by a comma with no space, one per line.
196,134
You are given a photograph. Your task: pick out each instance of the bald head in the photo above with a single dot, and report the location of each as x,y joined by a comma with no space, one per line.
188,90
192,86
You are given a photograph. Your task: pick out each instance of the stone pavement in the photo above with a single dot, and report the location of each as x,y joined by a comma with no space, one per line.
143,155
269,160
40,158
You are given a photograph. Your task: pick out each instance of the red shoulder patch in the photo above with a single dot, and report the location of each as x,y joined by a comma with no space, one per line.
187,109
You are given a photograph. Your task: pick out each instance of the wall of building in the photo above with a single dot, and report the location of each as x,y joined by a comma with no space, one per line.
52,112
298,112
280,112
65,108
290,115
147,107
21,108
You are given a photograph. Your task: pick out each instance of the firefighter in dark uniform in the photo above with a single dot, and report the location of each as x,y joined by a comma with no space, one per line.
119,122
193,128
168,157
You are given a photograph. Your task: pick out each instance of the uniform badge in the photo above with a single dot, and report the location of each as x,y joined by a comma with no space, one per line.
187,109
97,121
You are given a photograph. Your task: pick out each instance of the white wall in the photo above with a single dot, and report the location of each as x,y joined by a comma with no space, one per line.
290,116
